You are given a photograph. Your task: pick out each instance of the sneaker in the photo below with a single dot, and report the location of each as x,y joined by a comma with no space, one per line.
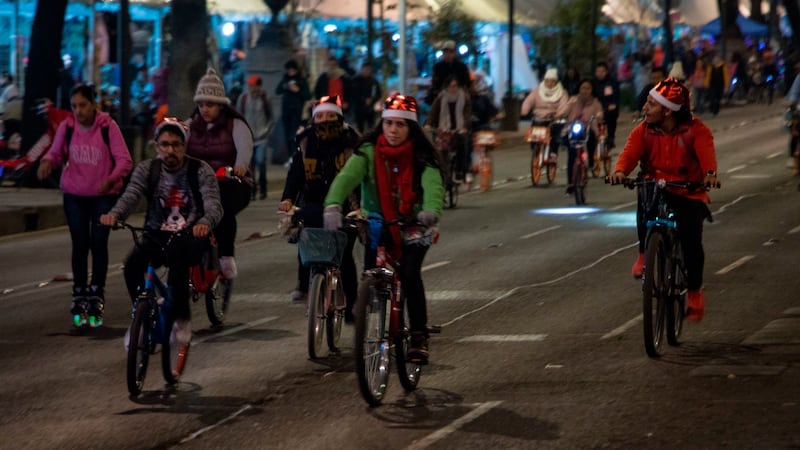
553,159
299,296
418,349
181,333
638,267
227,266
96,302
570,190
468,178
696,307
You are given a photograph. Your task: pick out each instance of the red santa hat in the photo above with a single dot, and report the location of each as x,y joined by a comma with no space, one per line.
670,93
328,103
400,106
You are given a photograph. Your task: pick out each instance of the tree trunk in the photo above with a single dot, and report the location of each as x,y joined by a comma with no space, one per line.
793,13
188,54
729,12
41,73
669,51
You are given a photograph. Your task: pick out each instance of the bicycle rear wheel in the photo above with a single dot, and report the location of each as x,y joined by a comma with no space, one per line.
139,347
317,316
218,298
536,166
654,296
335,319
371,343
408,372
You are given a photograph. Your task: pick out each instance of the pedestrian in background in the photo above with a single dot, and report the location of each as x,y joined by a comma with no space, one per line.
96,159
256,109
606,89
334,82
294,90
366,91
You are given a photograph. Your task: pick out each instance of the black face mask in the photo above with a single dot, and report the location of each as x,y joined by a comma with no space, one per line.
328,131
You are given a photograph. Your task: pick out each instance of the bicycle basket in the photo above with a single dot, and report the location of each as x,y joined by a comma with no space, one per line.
320,246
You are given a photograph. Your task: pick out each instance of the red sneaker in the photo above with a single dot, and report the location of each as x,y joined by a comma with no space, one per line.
696,306
638,267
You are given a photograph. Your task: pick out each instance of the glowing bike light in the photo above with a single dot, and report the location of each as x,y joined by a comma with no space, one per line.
577,128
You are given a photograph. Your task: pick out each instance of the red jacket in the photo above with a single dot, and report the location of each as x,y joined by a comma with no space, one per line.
684,154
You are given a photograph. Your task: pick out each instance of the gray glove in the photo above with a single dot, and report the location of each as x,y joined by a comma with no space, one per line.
332,217
427,218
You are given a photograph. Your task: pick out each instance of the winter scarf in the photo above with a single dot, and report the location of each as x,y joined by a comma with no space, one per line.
551,95
394,174
444,109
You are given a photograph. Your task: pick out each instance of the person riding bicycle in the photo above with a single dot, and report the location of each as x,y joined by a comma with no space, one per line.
323,147
181,193
400,177
672,144
544,102
221,137
452,111
584,107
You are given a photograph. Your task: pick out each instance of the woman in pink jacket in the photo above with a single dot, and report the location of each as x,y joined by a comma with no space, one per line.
95,158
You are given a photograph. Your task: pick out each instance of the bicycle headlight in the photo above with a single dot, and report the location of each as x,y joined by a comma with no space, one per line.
577,127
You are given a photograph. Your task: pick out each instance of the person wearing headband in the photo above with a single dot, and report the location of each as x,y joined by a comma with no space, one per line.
323,147
674,145
400,177
181,193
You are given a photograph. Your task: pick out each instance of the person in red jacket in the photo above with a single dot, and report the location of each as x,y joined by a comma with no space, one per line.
672,144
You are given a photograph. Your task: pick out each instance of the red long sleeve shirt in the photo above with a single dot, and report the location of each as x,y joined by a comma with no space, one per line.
684,154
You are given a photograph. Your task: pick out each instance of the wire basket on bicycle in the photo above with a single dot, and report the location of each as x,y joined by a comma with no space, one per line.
321,246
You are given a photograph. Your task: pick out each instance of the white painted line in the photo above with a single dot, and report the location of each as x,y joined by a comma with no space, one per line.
537,233
775,155
737,168
461,295
752,176
622,328
435,265
738,199
233,330
215,425
441,433
623,206
504,338
739,262
794,230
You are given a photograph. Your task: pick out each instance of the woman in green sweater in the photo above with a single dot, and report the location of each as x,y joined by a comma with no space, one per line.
399,174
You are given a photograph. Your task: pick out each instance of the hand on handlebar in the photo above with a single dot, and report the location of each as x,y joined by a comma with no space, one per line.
108,220
710,181
332,217
616,178
285,205
200,230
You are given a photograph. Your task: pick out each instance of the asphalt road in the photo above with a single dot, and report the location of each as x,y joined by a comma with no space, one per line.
541,346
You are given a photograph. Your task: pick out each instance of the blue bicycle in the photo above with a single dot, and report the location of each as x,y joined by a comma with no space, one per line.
151,326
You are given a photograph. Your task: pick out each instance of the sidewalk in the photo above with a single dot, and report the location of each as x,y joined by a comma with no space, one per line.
24,209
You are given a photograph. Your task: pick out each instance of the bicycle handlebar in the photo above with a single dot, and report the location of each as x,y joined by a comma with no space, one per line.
690,186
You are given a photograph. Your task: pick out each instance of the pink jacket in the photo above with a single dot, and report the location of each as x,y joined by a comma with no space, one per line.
88,159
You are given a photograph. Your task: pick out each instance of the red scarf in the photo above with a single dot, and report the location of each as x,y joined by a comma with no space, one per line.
394,173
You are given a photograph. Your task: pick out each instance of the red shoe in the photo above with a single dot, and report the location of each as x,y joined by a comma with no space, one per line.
696,306
638,267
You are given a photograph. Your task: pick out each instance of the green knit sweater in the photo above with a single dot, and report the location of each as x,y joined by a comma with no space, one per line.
360,168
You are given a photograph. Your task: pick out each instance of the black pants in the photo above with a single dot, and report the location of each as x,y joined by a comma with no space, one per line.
411,281
690,215
83,218
610,118
234,196
179,254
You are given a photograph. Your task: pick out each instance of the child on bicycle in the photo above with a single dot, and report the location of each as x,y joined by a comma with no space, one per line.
181,193
323,147
676,146
399,174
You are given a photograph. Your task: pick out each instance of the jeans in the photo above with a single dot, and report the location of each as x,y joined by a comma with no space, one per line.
259,163
83,218
234,196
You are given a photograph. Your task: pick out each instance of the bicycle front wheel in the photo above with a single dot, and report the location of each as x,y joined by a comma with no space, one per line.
317,316
371,343
654,290
139,348
579,180
676,310
335,318
536,165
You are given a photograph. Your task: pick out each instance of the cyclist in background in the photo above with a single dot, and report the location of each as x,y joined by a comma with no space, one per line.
676,146
400,177
544,102
452,111
583,107
322,149
185,195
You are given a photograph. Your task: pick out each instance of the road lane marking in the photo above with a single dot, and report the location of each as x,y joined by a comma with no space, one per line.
775,155
537,233
504,338
215,425
461,295
622,328
752,176
736,169
454,426
233,330
623,206
435,265
739,262
729,204
794,230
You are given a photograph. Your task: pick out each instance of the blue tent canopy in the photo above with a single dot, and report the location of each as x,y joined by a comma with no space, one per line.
746,26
